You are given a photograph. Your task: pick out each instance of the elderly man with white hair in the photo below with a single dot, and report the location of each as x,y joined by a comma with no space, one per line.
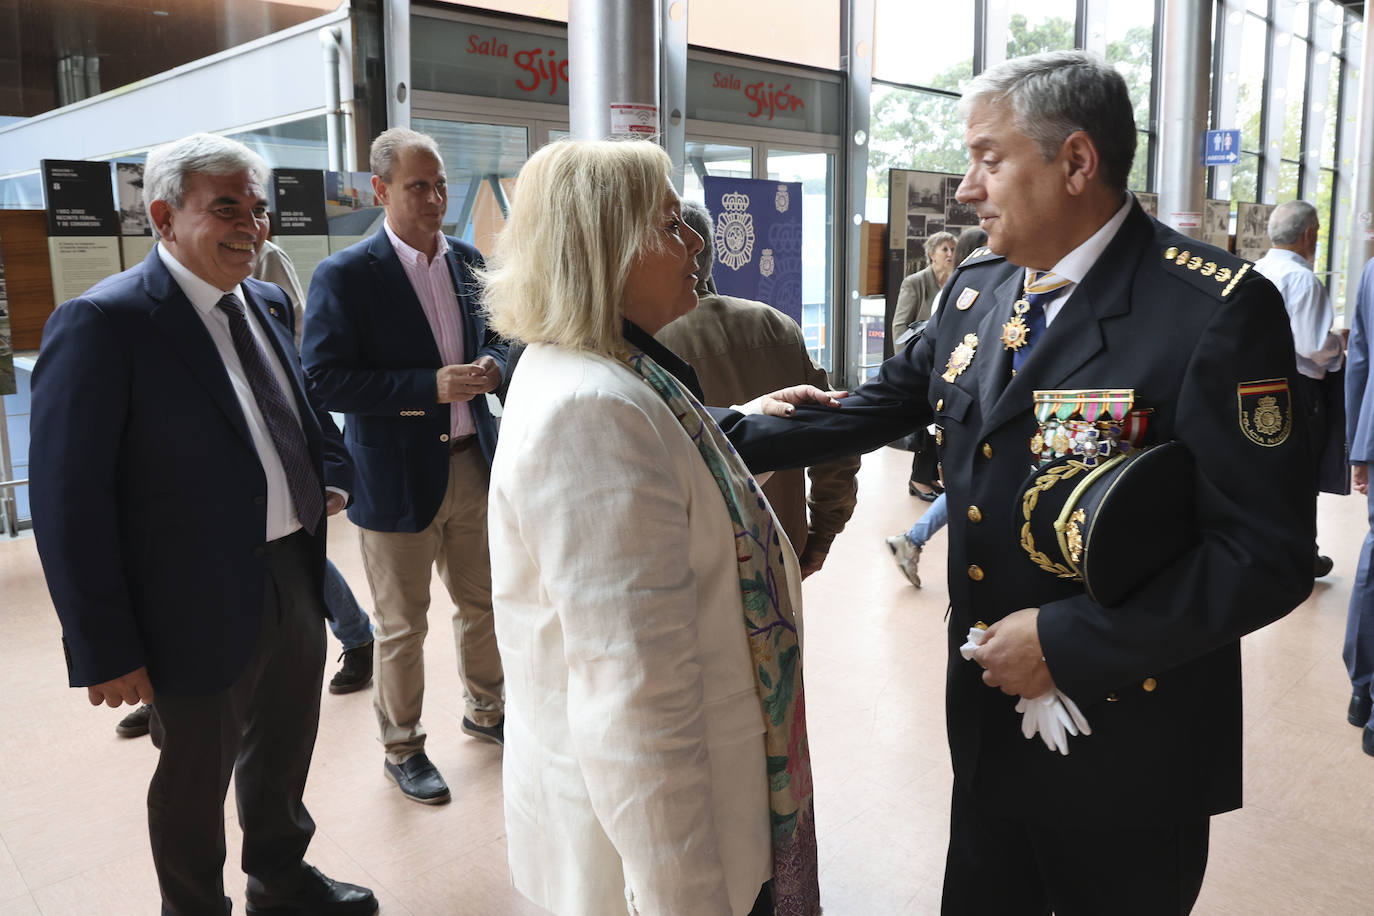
1293,230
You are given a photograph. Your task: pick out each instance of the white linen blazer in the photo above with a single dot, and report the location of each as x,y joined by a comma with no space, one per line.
634,758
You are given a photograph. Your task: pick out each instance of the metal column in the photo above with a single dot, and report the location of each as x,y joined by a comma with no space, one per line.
613,56
856,56
1362,221
1183,73
396,47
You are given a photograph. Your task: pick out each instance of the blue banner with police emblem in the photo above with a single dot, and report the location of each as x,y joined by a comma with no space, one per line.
758,240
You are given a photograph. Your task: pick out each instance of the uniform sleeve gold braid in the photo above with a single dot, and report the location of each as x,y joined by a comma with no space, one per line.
1028,503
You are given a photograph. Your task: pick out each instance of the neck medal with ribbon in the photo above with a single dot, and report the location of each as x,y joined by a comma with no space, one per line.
1016,333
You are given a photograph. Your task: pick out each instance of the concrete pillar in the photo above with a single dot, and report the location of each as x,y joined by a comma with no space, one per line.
1186,54
396,48
1362,218
613,60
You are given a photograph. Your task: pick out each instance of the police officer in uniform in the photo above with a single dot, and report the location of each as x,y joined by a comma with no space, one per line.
1080,289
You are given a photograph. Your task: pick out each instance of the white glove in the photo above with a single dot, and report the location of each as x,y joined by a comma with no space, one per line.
1053,715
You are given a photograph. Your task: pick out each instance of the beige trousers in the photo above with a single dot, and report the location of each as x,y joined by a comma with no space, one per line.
398,566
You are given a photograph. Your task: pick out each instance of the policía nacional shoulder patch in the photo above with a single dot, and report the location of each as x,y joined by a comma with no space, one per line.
1266,411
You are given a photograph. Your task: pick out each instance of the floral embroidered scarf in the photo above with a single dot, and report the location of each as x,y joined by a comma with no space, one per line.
770,622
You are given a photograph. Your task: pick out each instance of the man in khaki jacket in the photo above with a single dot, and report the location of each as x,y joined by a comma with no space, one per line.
741,349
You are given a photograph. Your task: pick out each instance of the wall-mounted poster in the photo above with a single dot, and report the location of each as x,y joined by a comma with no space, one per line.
351,207
1216,223
83,228
919,204
299,223
7,383
758,239
135,232
1252,230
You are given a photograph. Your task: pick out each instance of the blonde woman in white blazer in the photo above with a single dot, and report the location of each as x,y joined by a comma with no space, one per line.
650,767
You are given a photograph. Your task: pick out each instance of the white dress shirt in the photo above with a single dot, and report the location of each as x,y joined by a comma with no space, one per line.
281,511
433,285
1318,350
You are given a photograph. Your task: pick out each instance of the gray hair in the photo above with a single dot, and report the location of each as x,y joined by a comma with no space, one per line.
938,239
1053,95
393,141
170,166
698,218
1290,221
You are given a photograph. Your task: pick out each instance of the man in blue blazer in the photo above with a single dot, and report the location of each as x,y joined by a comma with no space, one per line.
1359,431
178,476
395,339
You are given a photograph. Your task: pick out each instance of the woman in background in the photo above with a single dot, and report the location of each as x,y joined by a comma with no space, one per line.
646,601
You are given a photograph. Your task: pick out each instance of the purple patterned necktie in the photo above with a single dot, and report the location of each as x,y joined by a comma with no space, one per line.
282,425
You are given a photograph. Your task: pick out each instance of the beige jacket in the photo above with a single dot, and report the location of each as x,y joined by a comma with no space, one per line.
634,763
741,349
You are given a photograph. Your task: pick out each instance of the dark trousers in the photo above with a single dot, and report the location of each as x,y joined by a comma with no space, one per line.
1011,867
262,731
1309,398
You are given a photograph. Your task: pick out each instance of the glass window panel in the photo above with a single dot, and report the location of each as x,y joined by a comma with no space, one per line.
797,31
1328,102
1039,25
910,129
481,162
1250,92
945,60
1290,143
1301,17
1140,169
1288,181
1243,179
1258,7
302,144
557,10
815,171
1129,30
717,159
1326,182
22,192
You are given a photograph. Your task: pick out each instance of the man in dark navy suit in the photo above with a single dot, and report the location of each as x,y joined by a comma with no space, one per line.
394,338
179,497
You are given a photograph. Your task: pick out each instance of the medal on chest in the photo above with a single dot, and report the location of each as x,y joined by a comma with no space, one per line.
1015,332
960,358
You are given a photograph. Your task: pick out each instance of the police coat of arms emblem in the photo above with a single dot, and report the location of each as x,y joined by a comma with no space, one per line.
735,231
782,200
766,262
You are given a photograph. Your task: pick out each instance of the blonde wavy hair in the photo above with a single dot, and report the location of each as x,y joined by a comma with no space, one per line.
584,210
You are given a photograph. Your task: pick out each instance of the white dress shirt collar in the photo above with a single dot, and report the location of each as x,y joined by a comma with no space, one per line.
204,296
1075,265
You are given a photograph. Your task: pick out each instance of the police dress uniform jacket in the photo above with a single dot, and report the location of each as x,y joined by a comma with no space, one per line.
1187,327
149,499
370,354
741,349
634,750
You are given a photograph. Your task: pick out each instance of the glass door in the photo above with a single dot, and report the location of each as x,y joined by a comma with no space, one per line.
482,161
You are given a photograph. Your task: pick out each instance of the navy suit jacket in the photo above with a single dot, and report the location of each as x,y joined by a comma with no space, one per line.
370,354
149,500
1359,407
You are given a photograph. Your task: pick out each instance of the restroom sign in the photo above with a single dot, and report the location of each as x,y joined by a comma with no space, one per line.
1221,147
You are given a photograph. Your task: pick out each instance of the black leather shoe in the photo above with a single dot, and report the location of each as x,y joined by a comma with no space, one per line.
1360,707
1367,741
418,780
1322,567
356,672
496,734
924,495
135,724
318,895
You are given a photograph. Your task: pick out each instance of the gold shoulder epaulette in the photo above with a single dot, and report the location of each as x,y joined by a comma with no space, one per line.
1210,269
979,256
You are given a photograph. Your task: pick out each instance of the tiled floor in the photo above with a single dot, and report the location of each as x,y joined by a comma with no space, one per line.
72,829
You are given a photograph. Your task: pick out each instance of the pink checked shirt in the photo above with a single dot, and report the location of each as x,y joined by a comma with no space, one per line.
433,285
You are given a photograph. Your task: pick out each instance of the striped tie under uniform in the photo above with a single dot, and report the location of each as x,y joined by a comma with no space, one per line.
287,436
1040,288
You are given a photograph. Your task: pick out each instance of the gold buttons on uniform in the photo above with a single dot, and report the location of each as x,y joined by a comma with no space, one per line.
987,450
975,514
1149,684
940,404
443,437
975,572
